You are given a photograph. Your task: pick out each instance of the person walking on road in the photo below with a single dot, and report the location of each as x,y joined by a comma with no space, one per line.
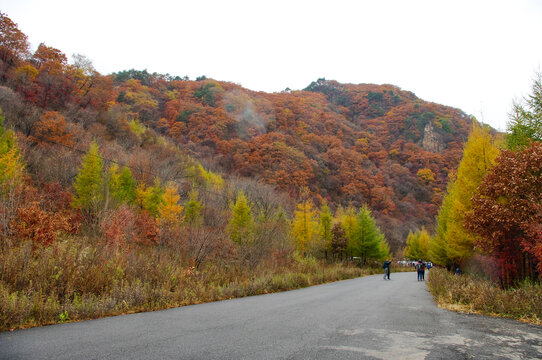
420,268
386,266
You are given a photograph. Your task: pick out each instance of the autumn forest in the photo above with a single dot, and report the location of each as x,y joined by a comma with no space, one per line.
137,191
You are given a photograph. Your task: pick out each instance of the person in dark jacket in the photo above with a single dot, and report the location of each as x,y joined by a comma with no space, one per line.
386,266
420,268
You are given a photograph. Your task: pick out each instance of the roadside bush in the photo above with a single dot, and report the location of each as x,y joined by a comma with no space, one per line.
472,294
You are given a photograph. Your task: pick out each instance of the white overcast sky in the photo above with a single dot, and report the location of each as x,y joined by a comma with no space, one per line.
476,55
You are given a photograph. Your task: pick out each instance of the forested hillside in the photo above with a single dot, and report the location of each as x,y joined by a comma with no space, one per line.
349,144
135,191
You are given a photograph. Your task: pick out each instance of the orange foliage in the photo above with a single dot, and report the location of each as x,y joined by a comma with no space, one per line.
40,226
52,129
126,225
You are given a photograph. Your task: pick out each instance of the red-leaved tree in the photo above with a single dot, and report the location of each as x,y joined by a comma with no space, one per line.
507,212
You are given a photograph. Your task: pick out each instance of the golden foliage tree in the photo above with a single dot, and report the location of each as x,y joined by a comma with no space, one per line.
11,176
241,225
479,155
170,210
305,226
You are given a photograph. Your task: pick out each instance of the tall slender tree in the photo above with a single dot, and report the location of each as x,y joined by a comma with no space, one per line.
122,186
438,246
241,225
367,241
193,207
325,226
169,209
478,156
418,245
11,176
88,185
525,123
305,226
150,198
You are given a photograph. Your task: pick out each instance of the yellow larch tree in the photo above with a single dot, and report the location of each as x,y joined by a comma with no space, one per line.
305,226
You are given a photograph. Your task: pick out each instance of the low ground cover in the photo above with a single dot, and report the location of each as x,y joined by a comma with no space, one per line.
77,279
472,294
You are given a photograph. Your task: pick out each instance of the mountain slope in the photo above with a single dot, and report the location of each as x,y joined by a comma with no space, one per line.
346,144
349,144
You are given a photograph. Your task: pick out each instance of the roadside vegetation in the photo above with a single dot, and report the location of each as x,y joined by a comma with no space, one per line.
472,294
489,224
76,279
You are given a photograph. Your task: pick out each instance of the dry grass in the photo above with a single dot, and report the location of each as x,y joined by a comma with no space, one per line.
76,279
474,295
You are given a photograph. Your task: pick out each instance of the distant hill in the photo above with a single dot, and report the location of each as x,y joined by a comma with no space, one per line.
349,144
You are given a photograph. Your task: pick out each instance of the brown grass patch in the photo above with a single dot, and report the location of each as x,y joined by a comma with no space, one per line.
474,295
75,279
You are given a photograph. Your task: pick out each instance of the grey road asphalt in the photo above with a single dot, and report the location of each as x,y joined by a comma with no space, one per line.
365,318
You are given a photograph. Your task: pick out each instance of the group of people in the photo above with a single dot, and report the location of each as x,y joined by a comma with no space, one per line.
419,265
420,269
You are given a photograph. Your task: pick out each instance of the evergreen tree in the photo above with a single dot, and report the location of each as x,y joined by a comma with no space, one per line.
192,209
122,186
210,179
412,249
526,119
241,225
150,198
338,240
347,217
367,241
438,252
88,185
324,227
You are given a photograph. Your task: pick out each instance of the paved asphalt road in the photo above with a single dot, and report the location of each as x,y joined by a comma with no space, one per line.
366,318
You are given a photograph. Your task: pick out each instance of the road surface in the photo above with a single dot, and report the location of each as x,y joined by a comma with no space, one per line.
365,318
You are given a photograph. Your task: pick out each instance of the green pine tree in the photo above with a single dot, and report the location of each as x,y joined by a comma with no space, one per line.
192,209
88,185
154,198
241,225
122,186
438,249
367,241
324,228
526,119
